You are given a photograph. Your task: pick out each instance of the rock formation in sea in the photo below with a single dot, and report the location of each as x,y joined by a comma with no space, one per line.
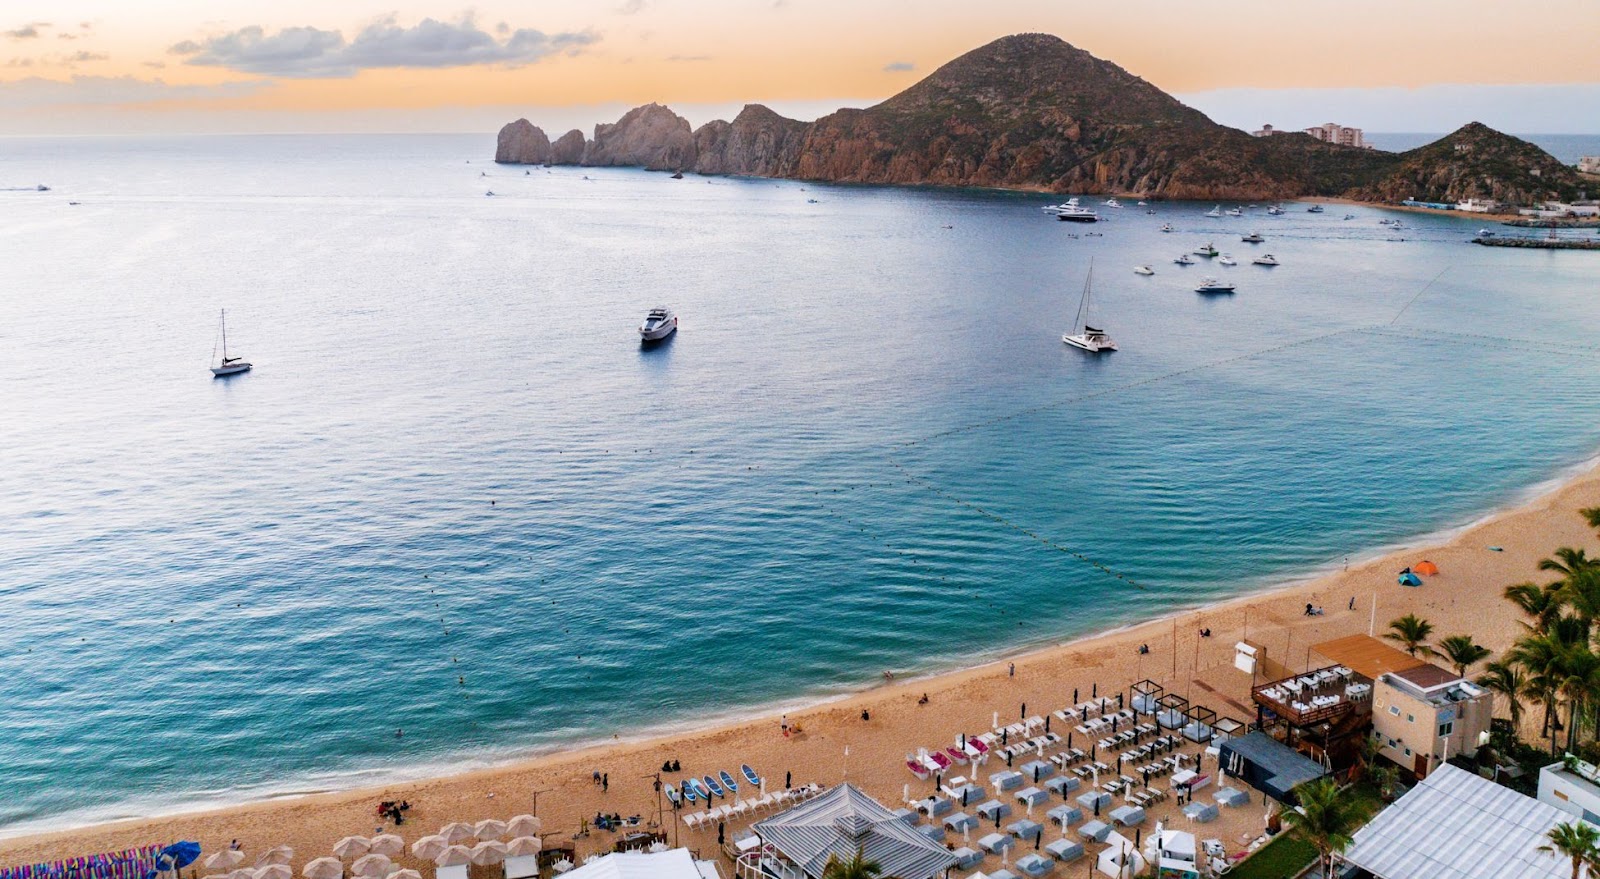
522,143
1032,112
568,149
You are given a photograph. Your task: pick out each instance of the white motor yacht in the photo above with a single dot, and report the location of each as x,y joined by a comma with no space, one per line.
1208,251
658,324
1235,212
1212,285
1275,210
1166,227
1143,270
1227,260
1084,336
227,365
1074,214
1266,259
1184,260
1113,203
1253,238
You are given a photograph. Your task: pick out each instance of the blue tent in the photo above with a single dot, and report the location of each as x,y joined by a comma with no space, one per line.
1410,579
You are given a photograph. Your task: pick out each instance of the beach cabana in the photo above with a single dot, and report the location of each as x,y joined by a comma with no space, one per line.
967,858
843,821
1032,864
1025,829
1005,780
1062,785
1127,816
1064,850
1170,711
932,831
1120,858
960,822
994,810
1094,800
1200,813
1064,815
1037,770
1031,796
1145,696
995,843
1200,721
966,795
1095,831
1231,797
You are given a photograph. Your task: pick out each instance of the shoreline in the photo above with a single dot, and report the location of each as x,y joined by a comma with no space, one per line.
1541,515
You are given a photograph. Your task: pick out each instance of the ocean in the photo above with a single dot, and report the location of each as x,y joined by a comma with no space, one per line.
455,495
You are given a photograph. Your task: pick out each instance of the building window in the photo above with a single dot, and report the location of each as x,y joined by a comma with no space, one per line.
1411,718
1446,728
1395,710
1408,752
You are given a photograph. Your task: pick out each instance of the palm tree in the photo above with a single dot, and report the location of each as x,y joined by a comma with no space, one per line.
1540,655
1509,681
857,867
1581,592
1578,840
1463,652
1568,561
1411,631
1591,515
1578,682
1325,819
1541,603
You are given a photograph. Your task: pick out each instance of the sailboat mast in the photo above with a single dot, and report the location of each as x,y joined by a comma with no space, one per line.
1083,304
224,335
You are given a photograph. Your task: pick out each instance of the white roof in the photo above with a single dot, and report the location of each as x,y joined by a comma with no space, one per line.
671,864
843,821
1455,825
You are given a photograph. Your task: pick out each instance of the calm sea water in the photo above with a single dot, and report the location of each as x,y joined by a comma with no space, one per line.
455,496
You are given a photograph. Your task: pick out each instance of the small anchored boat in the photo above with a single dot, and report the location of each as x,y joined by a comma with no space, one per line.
1183,260
227,365
1253,238
1143,270
1266,259
1208,251
1212,285
1227,260
1084,336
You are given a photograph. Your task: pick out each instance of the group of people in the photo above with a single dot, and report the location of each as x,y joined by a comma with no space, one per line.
613,821
671,766
393,811
1312,610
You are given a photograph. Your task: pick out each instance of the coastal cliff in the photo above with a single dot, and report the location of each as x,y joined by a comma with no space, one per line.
522,143
1033,112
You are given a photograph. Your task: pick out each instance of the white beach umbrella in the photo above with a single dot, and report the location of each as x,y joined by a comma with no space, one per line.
404,874
524,825
278,855
226,859
429,847
372,866
657,847
523,846
274,871
490,851
454,856
386,844
489,828
323,868
242,873
455,832
352,847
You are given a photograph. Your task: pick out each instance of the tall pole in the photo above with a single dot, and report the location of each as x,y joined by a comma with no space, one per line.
1372,626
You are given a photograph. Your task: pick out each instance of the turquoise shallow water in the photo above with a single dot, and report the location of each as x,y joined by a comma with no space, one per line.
455,496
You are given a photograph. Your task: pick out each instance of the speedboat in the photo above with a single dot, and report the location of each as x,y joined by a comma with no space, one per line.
1215,212
1208,251
658,324
1227,260
1166,227
1184,260
1235,212
1266,259
1084,336
1212,285
1275,210
1314,209
1253,238
1142,204
228,365
1349,216
1485,233
1143,270
1113,203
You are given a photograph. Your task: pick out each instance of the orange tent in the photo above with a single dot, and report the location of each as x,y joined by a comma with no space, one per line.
1426,569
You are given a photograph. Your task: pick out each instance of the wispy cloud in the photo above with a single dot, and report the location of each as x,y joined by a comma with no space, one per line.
631,7
312,52
106,91
29,31
898,67
688,59
84,58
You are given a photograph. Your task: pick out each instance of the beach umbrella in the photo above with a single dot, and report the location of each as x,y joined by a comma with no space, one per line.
226,859
274,871
489,828
524,825
490,851
372,866
352,847
242,873
176,856
523,846
323,868
429,847
404,874
455,832
387,844
278,855
454,856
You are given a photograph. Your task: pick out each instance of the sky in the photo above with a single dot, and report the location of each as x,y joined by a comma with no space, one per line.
194,66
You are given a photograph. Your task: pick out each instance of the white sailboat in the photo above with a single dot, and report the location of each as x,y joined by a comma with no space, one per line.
1215,212
1084,336
227,365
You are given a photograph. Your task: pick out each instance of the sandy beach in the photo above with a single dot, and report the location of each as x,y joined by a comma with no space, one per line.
1464,598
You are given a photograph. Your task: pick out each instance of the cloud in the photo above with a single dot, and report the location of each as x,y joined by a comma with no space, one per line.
898,67
29,31
312,52
64,35
688,59
631,7
107,91
20,62
84,58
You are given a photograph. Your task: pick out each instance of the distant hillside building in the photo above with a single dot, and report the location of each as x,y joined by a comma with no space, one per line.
1266,131
1333,132
1586,164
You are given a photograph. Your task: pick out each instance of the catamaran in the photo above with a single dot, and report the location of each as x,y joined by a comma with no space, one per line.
1084,336
227,365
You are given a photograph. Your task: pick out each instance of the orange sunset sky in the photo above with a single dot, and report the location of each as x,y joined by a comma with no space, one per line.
70,66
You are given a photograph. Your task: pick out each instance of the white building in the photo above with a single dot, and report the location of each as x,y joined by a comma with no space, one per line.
1333,132
670,864
1573,786
1266,131
1477,205
1586,164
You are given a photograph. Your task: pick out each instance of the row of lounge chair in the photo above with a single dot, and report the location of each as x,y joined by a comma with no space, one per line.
754,806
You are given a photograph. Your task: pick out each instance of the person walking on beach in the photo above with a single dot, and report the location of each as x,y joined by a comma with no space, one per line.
605,782
783,724
1352,602
1012,671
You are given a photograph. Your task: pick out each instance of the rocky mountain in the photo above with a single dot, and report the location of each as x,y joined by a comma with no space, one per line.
568,148
522,143
1032,112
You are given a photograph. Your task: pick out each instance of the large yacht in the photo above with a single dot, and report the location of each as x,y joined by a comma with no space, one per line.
1084,336
1212,285
658,324
1071,212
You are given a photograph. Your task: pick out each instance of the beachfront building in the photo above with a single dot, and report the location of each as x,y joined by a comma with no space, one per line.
1477,205
1333,132
1268,765
1455,824
1573,786
838,823
1422,715
1589,164
668,864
